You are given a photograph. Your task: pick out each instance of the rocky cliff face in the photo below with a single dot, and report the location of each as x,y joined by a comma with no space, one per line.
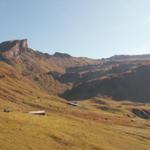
130,84
10,49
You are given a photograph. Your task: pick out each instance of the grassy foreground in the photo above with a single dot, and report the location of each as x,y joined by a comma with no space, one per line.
64,130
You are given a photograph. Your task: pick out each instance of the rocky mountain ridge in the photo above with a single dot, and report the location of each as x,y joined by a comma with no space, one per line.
10,49
77,78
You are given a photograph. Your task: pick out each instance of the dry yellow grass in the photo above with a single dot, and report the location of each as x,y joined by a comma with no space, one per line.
57,131
65,127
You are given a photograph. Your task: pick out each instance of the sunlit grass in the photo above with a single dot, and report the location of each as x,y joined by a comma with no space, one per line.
86,127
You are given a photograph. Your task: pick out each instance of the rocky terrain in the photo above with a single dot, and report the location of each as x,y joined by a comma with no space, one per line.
121,77
40,67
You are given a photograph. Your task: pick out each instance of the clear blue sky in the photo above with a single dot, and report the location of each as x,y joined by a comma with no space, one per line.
92,28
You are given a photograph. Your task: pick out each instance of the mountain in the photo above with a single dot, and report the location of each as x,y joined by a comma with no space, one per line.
31,80
133,85
121,77
38,66
120,80
129,57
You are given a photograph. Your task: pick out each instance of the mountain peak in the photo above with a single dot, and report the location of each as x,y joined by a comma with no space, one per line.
13,48
58,54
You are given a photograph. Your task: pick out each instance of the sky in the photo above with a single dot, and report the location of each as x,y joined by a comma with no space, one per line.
91,28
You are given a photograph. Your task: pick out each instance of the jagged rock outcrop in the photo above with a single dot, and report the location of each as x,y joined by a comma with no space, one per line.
10,49
142,113
62,55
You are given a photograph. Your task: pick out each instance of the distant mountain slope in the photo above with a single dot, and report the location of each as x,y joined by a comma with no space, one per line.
37,66
129,57
75,78
132,85
18,51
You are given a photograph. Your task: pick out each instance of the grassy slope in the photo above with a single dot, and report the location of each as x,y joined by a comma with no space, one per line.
58,131
64,127
21,94
69,128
